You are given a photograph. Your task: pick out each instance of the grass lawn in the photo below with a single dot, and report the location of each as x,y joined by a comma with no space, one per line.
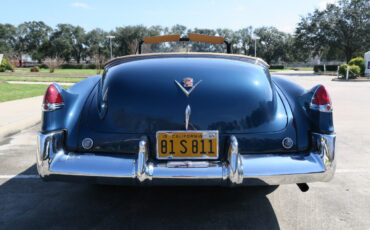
64,71
25,72
276,70
10,92
40,79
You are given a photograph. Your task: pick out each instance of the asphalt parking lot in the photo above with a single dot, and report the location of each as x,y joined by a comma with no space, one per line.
344,203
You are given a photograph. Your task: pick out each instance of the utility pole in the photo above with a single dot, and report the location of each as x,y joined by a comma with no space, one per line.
255,45
110,44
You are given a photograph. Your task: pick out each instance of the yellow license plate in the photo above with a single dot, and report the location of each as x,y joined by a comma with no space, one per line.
187,144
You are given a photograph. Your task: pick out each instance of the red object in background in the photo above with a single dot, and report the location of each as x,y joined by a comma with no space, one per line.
17,63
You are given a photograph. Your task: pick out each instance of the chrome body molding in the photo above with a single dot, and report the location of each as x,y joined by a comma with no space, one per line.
188,92
144,169
55,163
52,107
322,108
187,116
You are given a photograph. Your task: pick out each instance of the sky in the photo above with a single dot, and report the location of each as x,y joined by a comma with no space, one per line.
109,14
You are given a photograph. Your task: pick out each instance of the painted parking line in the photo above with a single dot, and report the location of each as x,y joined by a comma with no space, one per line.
35,176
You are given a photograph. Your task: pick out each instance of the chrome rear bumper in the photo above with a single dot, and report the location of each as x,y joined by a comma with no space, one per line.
54,163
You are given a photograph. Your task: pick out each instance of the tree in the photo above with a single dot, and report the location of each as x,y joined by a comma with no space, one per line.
7,39
292,51
127,38
271,44
245,40
78,46
178,29
97,43
339,29
67,42
30,37
60,44
230,37
97,47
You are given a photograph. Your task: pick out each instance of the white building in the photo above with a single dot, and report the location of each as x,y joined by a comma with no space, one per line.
367,63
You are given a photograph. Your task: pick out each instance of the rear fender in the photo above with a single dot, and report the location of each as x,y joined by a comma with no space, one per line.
322,122
307,119
67,117
302,124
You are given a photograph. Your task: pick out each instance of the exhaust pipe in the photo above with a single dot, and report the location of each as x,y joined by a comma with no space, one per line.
303,187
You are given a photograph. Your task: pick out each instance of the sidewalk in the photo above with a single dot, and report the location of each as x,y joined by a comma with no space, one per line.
19,114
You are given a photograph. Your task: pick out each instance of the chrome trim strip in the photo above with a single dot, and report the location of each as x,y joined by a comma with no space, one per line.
235,168
187,116
52,107
54,162
322,108
144,169
188,164
187,93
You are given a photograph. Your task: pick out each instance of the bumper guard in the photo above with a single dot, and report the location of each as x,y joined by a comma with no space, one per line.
54,163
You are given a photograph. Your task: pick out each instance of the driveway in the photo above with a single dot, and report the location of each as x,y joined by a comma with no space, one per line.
343,203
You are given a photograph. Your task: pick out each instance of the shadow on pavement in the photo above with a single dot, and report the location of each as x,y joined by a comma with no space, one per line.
34,204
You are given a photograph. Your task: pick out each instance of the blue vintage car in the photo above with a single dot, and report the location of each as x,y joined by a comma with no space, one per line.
187,119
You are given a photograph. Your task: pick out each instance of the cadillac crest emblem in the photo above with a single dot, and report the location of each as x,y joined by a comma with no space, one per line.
188,82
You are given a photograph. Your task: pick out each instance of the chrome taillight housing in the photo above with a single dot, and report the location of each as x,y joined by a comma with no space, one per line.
52,100
321,100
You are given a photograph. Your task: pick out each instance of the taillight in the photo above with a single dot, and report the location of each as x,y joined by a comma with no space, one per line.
321,100
52,99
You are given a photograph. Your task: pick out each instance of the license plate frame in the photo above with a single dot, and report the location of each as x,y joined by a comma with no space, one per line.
206,135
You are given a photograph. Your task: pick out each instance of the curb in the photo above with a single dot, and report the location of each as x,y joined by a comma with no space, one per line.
351,80
16,127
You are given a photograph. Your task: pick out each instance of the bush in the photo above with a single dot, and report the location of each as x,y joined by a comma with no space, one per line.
354,71
91,66
360,62
320,68
35,69
78,66
5,65
71,66
277,66
43,66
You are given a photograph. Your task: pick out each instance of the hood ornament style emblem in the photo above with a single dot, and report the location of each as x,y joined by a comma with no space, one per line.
187,116
188,83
